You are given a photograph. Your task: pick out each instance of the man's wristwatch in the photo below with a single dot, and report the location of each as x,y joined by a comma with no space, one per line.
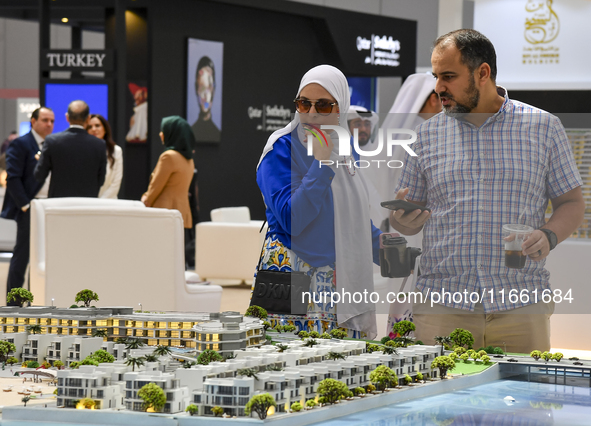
552,239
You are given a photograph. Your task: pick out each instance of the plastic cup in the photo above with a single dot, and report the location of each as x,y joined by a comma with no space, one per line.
513,236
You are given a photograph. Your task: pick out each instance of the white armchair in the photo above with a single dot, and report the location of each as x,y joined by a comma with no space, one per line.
125,252
228,247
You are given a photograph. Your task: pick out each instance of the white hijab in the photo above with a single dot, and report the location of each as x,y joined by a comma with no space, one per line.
353,244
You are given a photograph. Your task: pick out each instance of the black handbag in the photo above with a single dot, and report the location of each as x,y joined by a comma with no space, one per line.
280,292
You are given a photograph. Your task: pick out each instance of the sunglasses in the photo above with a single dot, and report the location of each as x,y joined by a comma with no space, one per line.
322,106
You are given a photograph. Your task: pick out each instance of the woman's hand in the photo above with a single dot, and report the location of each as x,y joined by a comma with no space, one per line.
322,144
144,198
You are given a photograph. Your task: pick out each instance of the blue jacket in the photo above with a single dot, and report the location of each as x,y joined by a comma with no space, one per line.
299,205
21,186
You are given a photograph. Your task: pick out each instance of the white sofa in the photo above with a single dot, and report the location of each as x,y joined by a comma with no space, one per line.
228,248
127,253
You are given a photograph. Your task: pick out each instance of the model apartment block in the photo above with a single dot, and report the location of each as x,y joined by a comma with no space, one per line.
177,396
223,332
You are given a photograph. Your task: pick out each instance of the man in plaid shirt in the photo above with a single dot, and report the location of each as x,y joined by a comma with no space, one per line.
479,165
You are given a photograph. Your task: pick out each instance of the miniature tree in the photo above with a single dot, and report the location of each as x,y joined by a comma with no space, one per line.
338,334
122,340
453,356
407,379
371,388
314,334
86,296
274,368
404,341
383,377
371,347
34,329
153,397
266,325
26,399
335,355
288,328
546,356
248,372
303,334
536,354
443,341
460,350
311,403
462,337
217,411
404,328
32,364
74,365
89,360
281,348
192,409
260,404
419,377
58,364
310,343
472,353
296,406
485,359
391,344
481,353
162,350
498,351
257,312
151,358
103,356
331,390
557,356
88,403
278,328
134,343
207,356
11,361
444,364
388,350
100,332
385,339
134,361
325,336
5,349
20,296
465,357
45,365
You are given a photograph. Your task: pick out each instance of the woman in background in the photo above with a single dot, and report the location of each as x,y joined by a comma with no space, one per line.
171,178
98,126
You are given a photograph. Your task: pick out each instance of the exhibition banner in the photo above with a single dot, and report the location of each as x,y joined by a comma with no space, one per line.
540,44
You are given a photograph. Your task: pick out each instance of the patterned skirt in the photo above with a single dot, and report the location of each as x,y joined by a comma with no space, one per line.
321,317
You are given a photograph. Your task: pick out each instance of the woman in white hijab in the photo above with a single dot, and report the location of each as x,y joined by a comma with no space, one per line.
318,211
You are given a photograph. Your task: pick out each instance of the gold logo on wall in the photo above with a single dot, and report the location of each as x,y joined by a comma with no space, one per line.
541,24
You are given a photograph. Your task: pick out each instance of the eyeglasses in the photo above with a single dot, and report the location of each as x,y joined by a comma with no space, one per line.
322,106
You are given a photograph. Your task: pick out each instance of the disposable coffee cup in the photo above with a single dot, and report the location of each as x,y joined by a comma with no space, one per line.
513,236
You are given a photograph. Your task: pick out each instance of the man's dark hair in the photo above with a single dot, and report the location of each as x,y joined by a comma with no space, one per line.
475,49
35,114
205,61
78,111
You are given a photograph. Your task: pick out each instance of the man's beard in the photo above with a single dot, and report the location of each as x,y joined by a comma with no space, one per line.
363,140
460,110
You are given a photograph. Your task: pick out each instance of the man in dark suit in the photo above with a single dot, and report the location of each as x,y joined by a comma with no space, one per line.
22,187
77,161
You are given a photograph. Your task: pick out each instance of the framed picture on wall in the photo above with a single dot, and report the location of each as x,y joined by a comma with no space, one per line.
204,88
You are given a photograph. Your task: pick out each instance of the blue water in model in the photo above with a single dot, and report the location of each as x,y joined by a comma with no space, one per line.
536,404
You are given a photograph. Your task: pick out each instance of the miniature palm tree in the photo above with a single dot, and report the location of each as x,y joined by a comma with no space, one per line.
443,341
34,329
217,411
274,368
260,404
281,348
134,362
310,343
26,399
162,350
122,340
248,372
389,350
86,296
100,332
20,296
5,349
151,358
192,409
383,377
153,397
134,343
335,355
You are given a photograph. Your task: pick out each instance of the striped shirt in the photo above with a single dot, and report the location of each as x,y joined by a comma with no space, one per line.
475,180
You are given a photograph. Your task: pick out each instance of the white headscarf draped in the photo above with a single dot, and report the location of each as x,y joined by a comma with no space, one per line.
354,111
353,244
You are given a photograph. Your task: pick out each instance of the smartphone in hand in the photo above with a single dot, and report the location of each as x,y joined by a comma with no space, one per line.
407,206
